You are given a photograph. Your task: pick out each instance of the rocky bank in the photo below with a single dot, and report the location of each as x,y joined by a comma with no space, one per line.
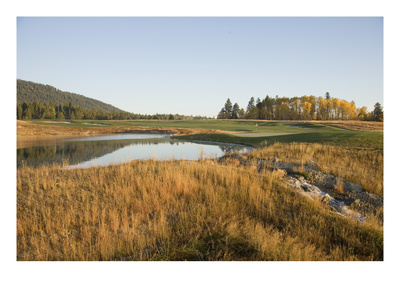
344,197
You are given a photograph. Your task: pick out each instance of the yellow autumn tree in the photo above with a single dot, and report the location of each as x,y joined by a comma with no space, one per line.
362,113
322,106
352,111
306,109
295,109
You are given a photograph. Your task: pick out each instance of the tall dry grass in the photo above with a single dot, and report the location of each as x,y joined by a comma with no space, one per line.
179,211
360,166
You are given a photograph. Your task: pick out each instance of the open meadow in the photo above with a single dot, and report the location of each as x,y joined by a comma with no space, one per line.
231,208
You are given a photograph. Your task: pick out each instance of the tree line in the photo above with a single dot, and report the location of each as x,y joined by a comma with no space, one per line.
300,108
70,111
39,101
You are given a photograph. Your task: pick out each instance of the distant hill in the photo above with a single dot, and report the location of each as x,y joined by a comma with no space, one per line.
28,91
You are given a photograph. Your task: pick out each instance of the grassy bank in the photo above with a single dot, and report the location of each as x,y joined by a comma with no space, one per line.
361,166
179,211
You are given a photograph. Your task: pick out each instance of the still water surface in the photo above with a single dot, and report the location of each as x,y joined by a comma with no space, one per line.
86,152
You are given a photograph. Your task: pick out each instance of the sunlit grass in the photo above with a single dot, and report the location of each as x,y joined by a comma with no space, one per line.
180,211
361,166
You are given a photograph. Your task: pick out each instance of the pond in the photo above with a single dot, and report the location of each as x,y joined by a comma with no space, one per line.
86,152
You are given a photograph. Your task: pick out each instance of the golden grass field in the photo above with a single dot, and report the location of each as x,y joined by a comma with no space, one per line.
179,211
195,210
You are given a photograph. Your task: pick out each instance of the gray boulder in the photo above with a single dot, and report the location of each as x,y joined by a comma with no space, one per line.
352,187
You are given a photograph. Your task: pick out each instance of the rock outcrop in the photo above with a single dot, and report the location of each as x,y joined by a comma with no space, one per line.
309,190
318,185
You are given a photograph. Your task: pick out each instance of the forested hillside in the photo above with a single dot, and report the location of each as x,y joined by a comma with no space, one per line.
28,91
39,101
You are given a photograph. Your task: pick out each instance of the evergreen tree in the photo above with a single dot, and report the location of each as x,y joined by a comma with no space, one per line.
19,111
250,105
235,111
60,115
221,114
50,112
226,111
378,112
228,108
327,96
242,113
259,106
26,111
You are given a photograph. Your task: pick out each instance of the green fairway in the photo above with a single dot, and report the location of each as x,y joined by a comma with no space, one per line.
225,125
342,138
291,131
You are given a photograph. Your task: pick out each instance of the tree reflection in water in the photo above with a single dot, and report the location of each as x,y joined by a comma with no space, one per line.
79,151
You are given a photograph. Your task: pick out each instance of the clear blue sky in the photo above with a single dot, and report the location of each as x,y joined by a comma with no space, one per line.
192,65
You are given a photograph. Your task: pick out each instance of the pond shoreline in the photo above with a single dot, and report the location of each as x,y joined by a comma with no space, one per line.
107,149
205,142
28,129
